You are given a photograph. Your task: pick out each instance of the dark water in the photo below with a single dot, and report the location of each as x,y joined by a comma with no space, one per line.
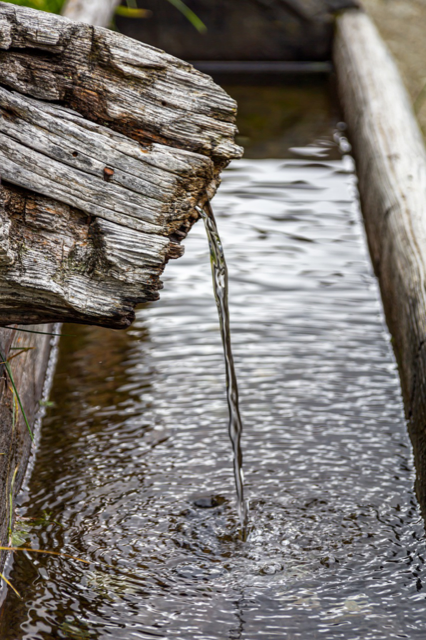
134,465
221,293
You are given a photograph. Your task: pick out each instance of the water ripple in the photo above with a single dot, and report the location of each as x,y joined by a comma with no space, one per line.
134,462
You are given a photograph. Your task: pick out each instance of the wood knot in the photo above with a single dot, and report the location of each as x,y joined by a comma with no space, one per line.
108,173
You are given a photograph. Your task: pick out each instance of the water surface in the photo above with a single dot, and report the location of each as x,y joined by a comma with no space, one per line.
134,466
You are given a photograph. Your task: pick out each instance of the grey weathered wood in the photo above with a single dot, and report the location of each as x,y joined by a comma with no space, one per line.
111,176
29,368
391,165
109,78
64,156
96,12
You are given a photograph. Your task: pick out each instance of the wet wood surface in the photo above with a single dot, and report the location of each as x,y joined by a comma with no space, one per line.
391,166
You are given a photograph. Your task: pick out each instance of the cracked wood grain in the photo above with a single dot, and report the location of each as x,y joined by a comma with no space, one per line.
106,148
133,88
29,369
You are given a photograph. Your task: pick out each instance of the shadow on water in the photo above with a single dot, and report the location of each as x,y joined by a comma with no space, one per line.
133,467
275,117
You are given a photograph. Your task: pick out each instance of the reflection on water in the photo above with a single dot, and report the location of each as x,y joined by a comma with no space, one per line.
134,463
274,117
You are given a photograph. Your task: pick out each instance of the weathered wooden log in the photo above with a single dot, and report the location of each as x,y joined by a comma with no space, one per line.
29,355
96,12
133,88
108,180
391,165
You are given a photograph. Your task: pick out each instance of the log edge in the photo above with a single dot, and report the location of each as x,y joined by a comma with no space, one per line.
391,166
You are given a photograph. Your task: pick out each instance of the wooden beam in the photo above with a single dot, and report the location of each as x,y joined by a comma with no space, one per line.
108,78
240,30
98,190
29,368
391,166
96,12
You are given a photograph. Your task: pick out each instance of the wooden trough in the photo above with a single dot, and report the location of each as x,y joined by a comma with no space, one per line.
107,146
387,145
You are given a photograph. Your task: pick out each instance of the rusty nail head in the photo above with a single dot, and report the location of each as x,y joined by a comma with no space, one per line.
108,173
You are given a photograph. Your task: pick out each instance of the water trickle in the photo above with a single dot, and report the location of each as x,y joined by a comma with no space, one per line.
220,288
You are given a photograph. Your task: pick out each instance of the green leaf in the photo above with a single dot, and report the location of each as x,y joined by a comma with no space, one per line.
46,403
19,538
132,12
190,15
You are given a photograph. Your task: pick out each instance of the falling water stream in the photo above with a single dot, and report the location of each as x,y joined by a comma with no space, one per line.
221,288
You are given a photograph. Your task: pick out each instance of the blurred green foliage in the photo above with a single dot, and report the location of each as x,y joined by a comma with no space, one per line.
53,6
130,10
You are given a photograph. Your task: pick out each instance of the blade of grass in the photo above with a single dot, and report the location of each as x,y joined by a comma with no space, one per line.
12,381
20,349
3,577
42,333
189,15
23,350
15,408
12,484
99,563
67,555
132,12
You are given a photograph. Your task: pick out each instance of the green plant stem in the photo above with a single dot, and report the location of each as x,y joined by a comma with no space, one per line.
190,15
12,381
42,333
12,484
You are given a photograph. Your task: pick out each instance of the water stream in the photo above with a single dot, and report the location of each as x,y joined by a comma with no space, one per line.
220,288
133,467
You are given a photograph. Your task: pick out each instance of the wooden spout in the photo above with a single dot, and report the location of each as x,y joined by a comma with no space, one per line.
106,148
